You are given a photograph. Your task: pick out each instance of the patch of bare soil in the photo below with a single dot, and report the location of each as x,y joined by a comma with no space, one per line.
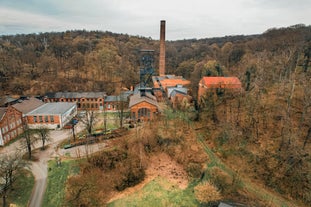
159,165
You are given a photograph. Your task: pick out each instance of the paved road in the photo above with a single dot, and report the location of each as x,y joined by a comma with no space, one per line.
39,168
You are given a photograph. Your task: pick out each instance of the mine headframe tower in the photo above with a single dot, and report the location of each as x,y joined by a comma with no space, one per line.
146,68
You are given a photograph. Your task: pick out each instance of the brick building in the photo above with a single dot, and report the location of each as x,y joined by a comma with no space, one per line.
162,83
52,115
143,106
211,84
11,124
84,100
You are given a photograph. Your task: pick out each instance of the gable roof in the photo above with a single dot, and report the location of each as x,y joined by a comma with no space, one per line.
7,100
175,92
76,95
28,105
221,82
137,98
2,112
171,91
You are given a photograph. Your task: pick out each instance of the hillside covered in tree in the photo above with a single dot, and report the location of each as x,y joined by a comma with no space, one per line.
262,134
34,64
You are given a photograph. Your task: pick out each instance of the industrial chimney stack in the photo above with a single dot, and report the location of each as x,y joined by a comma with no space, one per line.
162,49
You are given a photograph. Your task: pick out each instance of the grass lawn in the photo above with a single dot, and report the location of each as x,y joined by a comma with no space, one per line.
22,189
57,177
159,192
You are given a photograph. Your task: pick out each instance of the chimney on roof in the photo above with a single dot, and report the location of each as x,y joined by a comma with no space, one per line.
162,49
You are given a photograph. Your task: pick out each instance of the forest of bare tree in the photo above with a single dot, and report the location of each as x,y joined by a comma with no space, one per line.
264,133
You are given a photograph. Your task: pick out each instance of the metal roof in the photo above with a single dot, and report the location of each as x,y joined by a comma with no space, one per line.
170,90
52,108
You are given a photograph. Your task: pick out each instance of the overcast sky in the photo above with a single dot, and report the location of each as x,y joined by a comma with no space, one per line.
185,19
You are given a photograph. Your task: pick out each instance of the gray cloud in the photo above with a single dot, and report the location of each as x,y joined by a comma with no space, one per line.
185,19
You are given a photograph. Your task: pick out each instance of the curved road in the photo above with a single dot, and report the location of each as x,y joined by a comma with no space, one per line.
39,168
40,172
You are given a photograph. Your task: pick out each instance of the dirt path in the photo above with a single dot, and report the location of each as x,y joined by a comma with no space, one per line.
264,194
39,168
160,165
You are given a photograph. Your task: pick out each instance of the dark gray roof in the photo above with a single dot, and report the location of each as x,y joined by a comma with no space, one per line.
175,92
28,105
127,93
6,100
171,91
111,99
122,97
76,95
52,108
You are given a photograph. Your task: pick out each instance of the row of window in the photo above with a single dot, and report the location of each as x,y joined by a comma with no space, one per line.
12,134
143,112
11,126
88,105
75,99
42,119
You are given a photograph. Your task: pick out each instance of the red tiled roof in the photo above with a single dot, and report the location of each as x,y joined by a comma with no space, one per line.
221,82
169,81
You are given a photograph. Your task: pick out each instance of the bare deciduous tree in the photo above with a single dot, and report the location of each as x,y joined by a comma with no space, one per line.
10,168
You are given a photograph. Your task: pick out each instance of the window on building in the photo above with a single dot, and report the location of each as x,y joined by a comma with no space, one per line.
52,118
35,119
143,112
46,118
40,119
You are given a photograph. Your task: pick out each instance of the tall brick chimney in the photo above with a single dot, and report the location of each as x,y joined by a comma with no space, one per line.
162,49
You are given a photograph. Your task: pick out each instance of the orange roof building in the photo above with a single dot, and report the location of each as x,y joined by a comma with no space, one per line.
161,83
209,83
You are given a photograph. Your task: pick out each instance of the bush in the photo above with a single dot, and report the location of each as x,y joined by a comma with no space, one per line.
206,193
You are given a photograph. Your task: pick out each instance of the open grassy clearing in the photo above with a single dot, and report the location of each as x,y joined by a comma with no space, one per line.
57,177
159,192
